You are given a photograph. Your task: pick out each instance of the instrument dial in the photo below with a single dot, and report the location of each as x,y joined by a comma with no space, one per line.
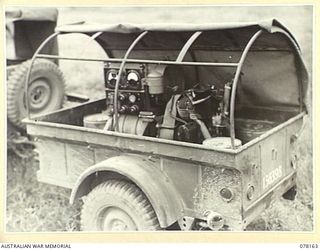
112,76
133,79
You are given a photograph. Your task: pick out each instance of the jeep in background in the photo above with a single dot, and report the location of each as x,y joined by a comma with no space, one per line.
26,29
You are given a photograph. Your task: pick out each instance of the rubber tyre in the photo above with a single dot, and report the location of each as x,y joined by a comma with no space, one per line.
46,77
112,198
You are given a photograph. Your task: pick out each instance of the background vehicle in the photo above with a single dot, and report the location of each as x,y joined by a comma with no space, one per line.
26,29
163,146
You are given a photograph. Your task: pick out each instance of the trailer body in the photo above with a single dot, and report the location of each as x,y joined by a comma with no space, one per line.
191,183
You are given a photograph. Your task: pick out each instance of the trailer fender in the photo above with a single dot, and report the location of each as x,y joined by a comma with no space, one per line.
163,196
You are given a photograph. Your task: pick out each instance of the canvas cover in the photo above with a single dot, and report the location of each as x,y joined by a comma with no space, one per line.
273,74
31,14
26,29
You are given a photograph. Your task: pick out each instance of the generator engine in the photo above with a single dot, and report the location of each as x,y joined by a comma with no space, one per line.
153,101
196,107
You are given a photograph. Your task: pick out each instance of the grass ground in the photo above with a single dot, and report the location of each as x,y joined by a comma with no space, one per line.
33,206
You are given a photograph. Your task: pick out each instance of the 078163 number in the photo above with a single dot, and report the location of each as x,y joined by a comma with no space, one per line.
309,246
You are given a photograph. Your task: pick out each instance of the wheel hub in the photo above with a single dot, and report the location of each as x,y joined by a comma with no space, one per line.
118,225
39,94
116,219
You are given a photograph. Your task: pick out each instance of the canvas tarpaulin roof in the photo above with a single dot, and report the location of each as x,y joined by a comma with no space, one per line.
31,14
26,29
273,73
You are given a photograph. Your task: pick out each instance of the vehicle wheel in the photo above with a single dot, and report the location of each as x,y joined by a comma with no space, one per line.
118,206
45,92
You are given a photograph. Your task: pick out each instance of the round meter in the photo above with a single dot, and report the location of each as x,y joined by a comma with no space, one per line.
112,76
133,79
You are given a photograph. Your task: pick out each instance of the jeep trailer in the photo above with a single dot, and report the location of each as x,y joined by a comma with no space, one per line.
198,128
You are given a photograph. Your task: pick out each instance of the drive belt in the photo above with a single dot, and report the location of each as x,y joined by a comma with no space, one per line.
168,125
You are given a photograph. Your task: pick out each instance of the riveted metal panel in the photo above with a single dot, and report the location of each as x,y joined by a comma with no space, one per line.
263,159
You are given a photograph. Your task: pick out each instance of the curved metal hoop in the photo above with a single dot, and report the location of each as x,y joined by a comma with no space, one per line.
187,45
235,83
116,88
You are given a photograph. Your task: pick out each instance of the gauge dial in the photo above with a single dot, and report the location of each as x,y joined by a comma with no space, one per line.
133,79
112,76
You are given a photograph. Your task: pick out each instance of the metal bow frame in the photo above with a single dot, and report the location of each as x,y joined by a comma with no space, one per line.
178,61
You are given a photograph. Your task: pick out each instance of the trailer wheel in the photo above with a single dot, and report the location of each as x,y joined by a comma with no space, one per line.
46,90
118,206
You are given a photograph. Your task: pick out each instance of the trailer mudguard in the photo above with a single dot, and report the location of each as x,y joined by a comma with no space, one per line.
143,171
